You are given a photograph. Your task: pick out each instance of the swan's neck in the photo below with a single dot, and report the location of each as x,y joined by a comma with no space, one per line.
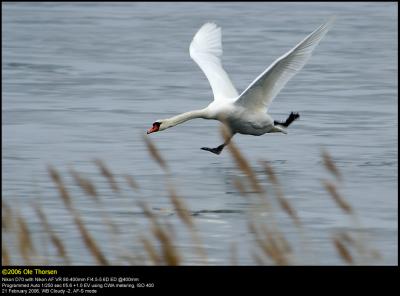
181,118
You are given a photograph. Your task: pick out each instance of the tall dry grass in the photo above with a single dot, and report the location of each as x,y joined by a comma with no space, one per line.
159,245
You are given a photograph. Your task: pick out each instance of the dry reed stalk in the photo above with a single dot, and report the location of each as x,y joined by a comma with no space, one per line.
252,227
89,188
239,186
6,217
170,255
272,243
270,251
53,237
155,153
113,232
147,212
131,182
199,247
244,167
340,201
330,165
270,172
86,185
55,176
346,237
89,241
184,215
181,208
26,246
343,251
151,251
86,237
106,172
275,246
242,163
283,202
357,243
263,243
283,243
285,205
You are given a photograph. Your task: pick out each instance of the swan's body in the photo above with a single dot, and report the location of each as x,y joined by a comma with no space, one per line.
245,113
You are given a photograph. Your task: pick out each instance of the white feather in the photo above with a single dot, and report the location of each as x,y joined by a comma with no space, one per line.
260,93
206,50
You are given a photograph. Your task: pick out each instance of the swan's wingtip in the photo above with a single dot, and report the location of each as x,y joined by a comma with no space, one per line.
210,25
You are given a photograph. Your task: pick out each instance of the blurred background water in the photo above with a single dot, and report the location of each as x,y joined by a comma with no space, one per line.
85,80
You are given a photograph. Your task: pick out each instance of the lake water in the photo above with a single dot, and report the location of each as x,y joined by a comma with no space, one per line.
83,81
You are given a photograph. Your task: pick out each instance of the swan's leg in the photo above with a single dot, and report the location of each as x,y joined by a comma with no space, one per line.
292,117
218,150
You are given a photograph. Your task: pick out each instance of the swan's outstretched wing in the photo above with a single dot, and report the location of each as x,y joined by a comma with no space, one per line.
205,50
260,93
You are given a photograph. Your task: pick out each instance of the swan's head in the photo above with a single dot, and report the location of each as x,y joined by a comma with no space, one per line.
157,126
163,124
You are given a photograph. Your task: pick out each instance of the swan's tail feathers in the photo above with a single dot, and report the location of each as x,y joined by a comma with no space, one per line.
278,129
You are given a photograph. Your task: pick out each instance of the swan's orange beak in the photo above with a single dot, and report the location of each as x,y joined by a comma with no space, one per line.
155,128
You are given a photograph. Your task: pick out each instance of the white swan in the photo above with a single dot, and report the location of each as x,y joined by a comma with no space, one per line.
245,113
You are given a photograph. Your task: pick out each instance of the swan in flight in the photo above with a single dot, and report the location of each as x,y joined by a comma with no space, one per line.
245,113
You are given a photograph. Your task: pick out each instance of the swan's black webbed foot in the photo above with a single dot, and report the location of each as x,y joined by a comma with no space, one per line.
292,117
216,150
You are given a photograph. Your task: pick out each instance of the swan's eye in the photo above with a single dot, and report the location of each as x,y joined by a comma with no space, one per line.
155,128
